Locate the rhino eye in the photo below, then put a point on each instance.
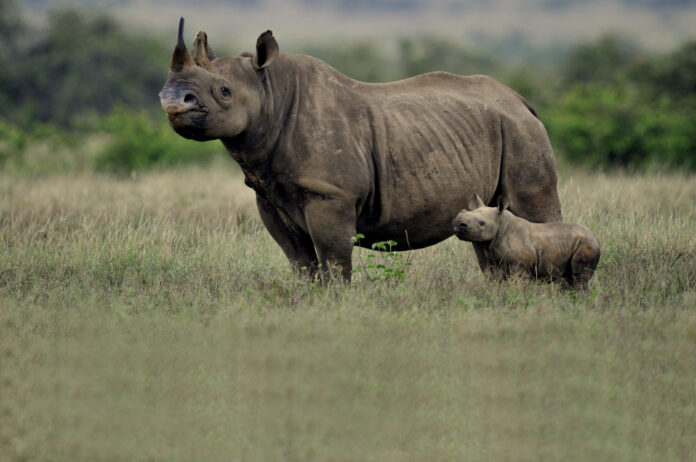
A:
(481, 223)
(224, 91)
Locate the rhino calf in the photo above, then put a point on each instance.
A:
(563, 252)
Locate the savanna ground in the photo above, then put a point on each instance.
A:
(153, 318)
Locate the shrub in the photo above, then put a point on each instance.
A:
(615, 126)
(138, 141)
(79, 62)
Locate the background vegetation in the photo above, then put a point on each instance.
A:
(607, 103)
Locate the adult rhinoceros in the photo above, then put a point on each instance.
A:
(330, 157)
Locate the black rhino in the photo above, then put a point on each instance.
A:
(330, 157)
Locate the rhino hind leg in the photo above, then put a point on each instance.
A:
(528, 174)
(298, 247)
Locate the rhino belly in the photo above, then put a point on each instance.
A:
(431, 160)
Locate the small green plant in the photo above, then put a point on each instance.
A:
(388, 266)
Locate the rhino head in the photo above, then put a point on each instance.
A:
(479, 223)
(206, 97)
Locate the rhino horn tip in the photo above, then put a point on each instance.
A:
(180, 38)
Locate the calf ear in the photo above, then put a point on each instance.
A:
(475, 203)
(266, 50)
(503, 203)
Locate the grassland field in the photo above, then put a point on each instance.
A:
(153, 318)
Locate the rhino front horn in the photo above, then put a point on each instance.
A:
(181, 57)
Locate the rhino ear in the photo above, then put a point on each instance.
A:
(202, 54)
(266, 50)
(503, 203)
(474, 203)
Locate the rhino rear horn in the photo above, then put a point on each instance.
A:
(266, 50)
(202, 54)
(181, 57)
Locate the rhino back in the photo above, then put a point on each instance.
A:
(521, 240)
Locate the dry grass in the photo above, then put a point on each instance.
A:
(155, 319)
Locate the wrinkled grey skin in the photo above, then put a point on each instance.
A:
(563, 252)
(330, 157)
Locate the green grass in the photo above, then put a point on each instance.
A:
(154, 319)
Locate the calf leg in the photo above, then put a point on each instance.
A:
(296, 244)
(582, 265)
(486, 263)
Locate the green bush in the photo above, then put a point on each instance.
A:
(12, 141)
(601, 61)
(370, 62)
(615, 126)
(17, 137)
(79, 62)
(139, 141)
(360, 60)
(427, 54)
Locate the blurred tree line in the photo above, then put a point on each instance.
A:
(606, 104)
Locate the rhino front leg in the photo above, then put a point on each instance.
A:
(331, 226)
(297, 246)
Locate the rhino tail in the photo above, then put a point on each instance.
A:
(531, 109)
(528, 106)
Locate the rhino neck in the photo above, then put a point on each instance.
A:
(279, 90)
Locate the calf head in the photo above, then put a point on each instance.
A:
(206, 97)
(479, 223)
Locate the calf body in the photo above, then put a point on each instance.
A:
(557, 251)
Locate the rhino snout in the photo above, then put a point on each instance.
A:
(459, 228)
(178, 101)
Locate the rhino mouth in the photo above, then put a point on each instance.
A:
(462, 236)
(190, 124)
(174, 114)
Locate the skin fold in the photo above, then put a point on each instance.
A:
(330, 157)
